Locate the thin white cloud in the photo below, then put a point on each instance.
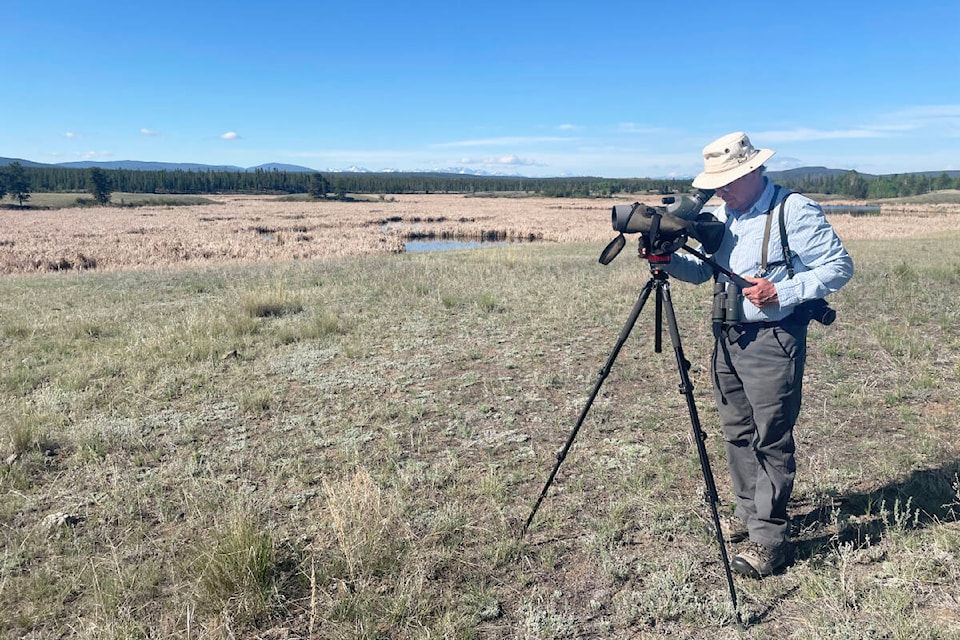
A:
(807, 135)
(72, 156)
(507, 140)
(230, 135)
(943, 119)
(149, 132)
(70, 134)
(511, 160)
(93, 155)
(569, 127)
(633, 127)
(355, 155)
(929, 112)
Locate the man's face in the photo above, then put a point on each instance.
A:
(740, 194)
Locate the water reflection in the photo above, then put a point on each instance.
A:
(421, 246)
(852, 210)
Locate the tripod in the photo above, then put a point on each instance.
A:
(658, 283)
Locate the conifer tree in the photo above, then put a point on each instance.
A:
(98, 185)
(17, 184)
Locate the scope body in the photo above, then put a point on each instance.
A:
(675, 216)
(673, 221)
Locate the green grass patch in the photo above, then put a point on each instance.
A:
(83, 199)
(348, 448)
(238, 569)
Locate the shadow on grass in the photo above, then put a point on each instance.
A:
(925, 497)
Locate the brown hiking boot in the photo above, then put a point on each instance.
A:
(757, 561)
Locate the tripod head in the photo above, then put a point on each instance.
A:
(656, 262)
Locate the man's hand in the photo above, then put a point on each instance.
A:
(763, 293)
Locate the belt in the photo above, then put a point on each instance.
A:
(736, 331)
(763, 324)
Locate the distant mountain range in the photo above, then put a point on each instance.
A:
(815, 172)
(136, 165)
(807, 172)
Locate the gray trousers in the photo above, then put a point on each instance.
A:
(758, 376)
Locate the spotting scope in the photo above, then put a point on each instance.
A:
(666, 227)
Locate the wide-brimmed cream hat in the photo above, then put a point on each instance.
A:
(728, 158)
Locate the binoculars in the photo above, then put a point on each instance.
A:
(728, 300)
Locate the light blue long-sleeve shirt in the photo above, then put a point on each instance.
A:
(821, 263)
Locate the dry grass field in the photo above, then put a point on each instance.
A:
(256, 229)
(263, 419)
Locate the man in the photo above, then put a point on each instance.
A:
(761, 346)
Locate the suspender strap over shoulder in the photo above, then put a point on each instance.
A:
(787, 255)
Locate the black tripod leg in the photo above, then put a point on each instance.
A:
(658, 319)
(686, 388)
(624, 334)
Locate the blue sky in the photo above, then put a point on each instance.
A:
(615, 89)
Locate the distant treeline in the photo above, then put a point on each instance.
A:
(58, 179)
(862, 187)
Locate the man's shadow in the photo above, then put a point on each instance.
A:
(923, 498)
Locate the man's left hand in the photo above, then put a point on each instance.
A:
(763, 293)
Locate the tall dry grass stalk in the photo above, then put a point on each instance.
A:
(366, 525)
